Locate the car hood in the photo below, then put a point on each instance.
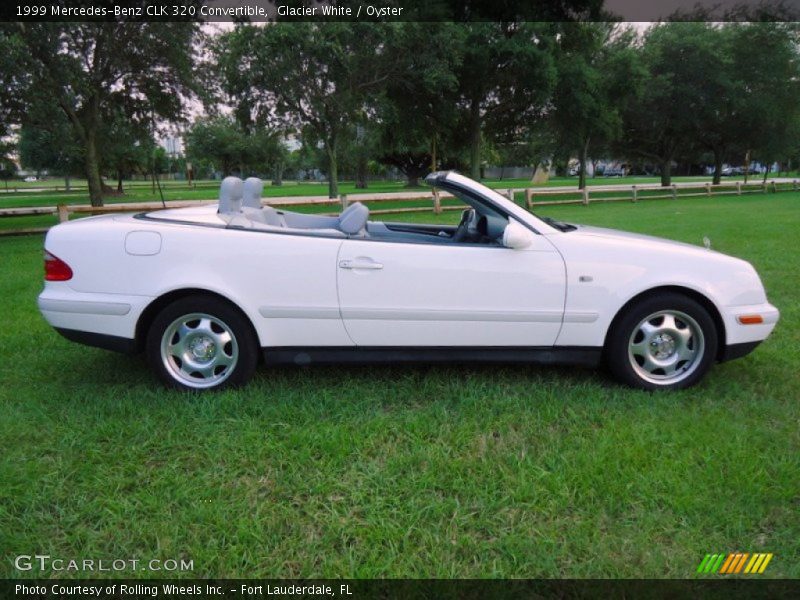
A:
(640, 239)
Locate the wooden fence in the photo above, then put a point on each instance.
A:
(530, 197)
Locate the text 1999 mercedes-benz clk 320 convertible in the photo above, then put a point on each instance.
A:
(205, 291)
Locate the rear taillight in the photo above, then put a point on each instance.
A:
(55, 269)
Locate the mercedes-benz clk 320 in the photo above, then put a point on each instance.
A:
(207, 291)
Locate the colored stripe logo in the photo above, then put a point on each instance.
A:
(735, 563)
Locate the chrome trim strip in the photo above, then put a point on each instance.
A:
(509, 316)
(84, 307)
(396, 314)
(299, 312)
(576, 316)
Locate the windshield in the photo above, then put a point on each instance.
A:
(511, 207)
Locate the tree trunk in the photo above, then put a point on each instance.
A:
(119, 181)
(278, 181)
(717, 167)
(66, 183)
(475, 141)
(361, 173)
(666, 172)
(766, 172)
(333, 170)
(582, 166)
(746, 165)
(412, 181)
(92, 166)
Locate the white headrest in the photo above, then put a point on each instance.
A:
(252, 192)
(354, 218)
(230, 195)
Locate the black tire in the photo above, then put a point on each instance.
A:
(658, 353)
(207, 333)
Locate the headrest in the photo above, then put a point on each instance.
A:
(230, 195)
(252, 192)
(354, 218)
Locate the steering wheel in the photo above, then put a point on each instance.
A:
(466, 227)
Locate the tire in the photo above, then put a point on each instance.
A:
(663, 342)
(202, 343)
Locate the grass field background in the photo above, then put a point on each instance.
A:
(442, 471)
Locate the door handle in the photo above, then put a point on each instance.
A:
(360, 264)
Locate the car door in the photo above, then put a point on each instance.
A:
(435, 295)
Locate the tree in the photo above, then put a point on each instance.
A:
(126, 147)
(13, 79)
(664, 120)
(7, 169)
(218, 140)
(417, 114)
(599, 75)
(52, 148)
(765, 60)
(89, 70)
(504, 79)
(311, 77)
(712, 87)
(225, 143)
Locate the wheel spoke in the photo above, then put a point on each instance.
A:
(178, 349)
(649, 364)
(669, 369)
(686, 353)
(205, 325)
(648, 329)
(221, 339)
(223, 360)
(669, 322)
(207, 371)
(684, 335)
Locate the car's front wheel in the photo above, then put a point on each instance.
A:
(667, 341)
(202, 343)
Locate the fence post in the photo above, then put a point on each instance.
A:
(510, 194)
(738, 188)
(633, 193)
(529, 198)
(63, 213)
(794, 185)
(585, 193)
(763, 187)
(674, 192)
(343, 199)
(708, 189)
(437, 203)
(774, 186)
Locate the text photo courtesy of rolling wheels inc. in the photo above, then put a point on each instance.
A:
(468, 303)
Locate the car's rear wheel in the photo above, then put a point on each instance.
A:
(202, 343)
(667, 341)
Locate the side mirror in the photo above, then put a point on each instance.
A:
(517, 236)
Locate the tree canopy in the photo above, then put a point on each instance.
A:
(92, 71)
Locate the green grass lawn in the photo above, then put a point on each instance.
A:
(443, 471)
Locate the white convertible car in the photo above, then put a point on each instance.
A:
(206, 291)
